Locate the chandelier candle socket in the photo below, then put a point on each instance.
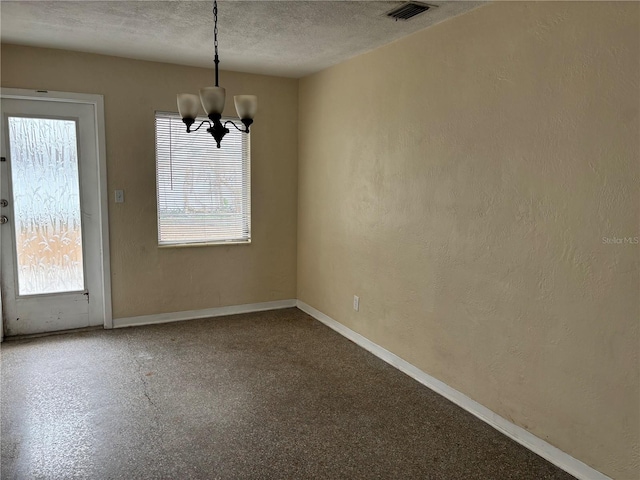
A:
(212, 100)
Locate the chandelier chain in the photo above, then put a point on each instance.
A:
(215, 26)
(216, 60)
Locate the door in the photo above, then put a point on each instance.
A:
(51, 275)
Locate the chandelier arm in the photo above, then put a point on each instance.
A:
(201, 123)
(237, 127)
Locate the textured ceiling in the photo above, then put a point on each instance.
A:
(288, 38)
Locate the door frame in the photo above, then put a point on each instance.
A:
(101, 155)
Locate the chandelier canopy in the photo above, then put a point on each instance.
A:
(212, 100)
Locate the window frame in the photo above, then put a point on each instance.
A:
(246, 184)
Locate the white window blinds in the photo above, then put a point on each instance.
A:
(204, 192)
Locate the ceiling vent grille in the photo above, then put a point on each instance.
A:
(408, 10)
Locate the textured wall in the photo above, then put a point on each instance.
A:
(461, 181)
(146, 279)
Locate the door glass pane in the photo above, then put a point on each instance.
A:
(46, 205)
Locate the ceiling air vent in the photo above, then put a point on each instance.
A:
(408, 10)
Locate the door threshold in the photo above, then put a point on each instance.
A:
(14, 338)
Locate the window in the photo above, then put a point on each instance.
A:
(204, 192)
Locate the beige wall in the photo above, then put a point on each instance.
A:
(461, 181)
(146, 279)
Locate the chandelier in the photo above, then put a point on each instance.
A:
(212, 100)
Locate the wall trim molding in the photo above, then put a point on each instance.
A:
(547, 451)
(205, 313)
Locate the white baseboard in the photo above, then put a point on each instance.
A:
(205, 313)
(547, 451)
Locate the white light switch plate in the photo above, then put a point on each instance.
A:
(119, 196)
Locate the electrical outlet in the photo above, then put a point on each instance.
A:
(119, 196)
(356, 303)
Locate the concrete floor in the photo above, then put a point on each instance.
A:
(255, 396)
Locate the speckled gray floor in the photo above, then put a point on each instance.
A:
(256, 396)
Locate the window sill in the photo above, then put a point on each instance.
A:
(204, 244)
